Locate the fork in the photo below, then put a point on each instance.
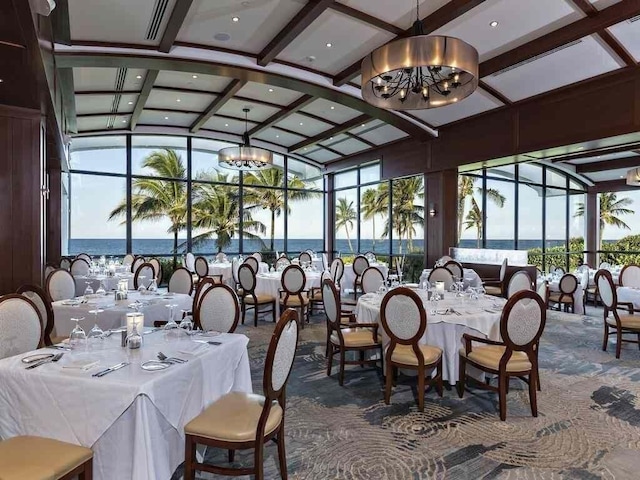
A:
(55, 358)
(164, 358)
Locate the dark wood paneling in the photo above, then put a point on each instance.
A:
(404, 158)
(591, 228)
(614, 164)
(441, 189)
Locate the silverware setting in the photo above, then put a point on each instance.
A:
(164, 358)
(55, 358)
(102, 373)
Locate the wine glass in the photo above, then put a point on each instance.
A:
(101, 289)
(77, 337)
(96, 333)
(171, 324)
(186, 324)
(141, 288)
(89, 290)
(153, 286)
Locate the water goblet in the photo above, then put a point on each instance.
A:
(95, 334)
(171, 324)
(89, 290)
(101, 289)
(141, 288)
(77, 337)
(186, 324)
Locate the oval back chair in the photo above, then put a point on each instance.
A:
(128, 259)
(60, 285)
(519, 281)
(137, 261)
(217, 309)
(630, 276)
(337, 270)
(441, 274)
(257, 256)
(201, 266)
(221, 257)
(85, 257)
(253, 263)
(360, 264)
(282, 262)
(144, 275)
(41, 300)
(305, 257)
(48, 269)
(293, 281)
(543, 291)
(65, 263)
(568, 286)
(79, 267)
(372, 277)
(455, 268)
(247, 278)
(190, 262)
(157, 268)
(181, 281)
(20, 325)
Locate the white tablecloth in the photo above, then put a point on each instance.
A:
(224, 269)
(629, 294)
(133, 420)
(270, 284)
(114, 315)
(349, 277)
(615, 275)
(445, 331)
(470, 277)
(110, 283)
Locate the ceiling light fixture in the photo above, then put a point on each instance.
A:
(245, 157)
(138, 77)
(194, 76)
(633, 177)
(494, 24)
(301, 124)
(420, 71)
(271, 90)
(130, 103)
(235, 19)
(332, 107)
(226, 124)
(166, 118)
(177, 99)
(329, 44)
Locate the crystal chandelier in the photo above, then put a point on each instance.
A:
(245, 157)
(633, 177)
(420, 71)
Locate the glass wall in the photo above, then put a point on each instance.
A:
(619, 229)
(527, 206)
(165, 195)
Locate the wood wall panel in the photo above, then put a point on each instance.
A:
(441, 190)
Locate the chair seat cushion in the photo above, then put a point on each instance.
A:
(261, 299)
(26, 472)
(46, 454)
(405, 355)
(234, 418)
(493, 290)
(356, 337)
(294, 301)
(627, 321)
(555, 298)
(489, 356)
(317, 296)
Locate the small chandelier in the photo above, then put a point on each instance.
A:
(633, 177)
(245, 157)
(420, 71)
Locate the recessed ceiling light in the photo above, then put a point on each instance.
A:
(362, 125)
(226, 124)
(301, 123)
(277, 136)
(130, 103)
(330, 138)
(494, 24)
(1, 80)
(271, 89)
(621, 176)
(166, 118)
(580, 148)
(177, 99)
(124, 121)
(194, 76)
(332, 107)
(138, 77)
(329, 44)
(235, 19)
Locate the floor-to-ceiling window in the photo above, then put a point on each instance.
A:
(619, 227)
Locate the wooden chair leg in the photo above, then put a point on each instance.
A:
(461, 376)
(389, 380)
(244, 311)
(87, 472)
(341, 380)
(421, 389)
(618, 342)
(329, 358)
(255, 314)
(259, 460)
(533, 381)
(232, 455)
(502, 395)
(282, 456)
(439, 384)
(189, 459)
(273, 312)
(361, 353)
(605, 340)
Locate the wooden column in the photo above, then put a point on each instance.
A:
(441, 196)
(22, 153)
(591, 229)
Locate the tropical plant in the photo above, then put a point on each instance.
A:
(272, 197)
(153, 199)
(406, 213)
(373, 204)
(610, 210)
(345, 217)
(467, 189)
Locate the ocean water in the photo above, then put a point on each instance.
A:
(102, 246)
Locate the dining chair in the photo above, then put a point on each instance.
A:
(337, 271)
(559, 271)
(190, 262)
(521, 325)
(201, 267)
(455, 268)
(181, 281)
(217, 309)
(630, 276)
(441, 274)
(325, 261)
(372, 278)
(60, 285)
(137, 261)
(250, 299)
(79, 267)
(565, 298)
(157, 268)
(496, 287)
(315, 295)
(344, 334)
(145, 273)
(39, 458)
(234, 274)
(293, 293)
(128, 259)
(619, 325)
(305, 257)
(443, 259)
(253, 262)
(20, 326)
(584, 287)
(360, 264)
(221, 257)
(239, 420)
(41, 300)
(404, 321)
(257, 256)
(543, 291)
(65, 263)
(519, 281)
(282, 262)
(85, 257)
(48, 269)
(604, 266)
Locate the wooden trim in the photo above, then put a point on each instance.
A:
(629, 147)
(147, 85)
(305, 17)
(619, 185)
(495, 93)
(290, 109)
(366, 18)
(227, 94)
(626, 162)
(107, 92)
(179, 13)
(332, 132)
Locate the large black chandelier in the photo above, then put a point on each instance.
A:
(245, 157)
(420, 71)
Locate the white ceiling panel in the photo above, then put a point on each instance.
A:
(268, 93)
(171, 119)
(321, 155)
(518, 22)
(258, 113)
(478, 102)
(258, 22)
(628, 34)
(607, 175)
(334, 112)
(366, 127)
(195, 102)
(351, 40)
(103, 103)
(402, 13)
(91, 79)
(333, 140)
(123, 21)
(600, 158)
(278, 136)
(100, 123)
(383, 134)
(303, 125)
(349, 146)
(207, 83)
(227, 125)
(577, 62)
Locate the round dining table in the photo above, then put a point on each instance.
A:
(470, 277)
(108, 282)
(349, 276)
(629, 295)
(446, 323)
(271, 284)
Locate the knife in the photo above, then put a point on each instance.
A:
(110, 369)
(46, 360)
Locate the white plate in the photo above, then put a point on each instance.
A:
(155, 365)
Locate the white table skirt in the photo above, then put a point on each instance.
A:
(110, 283)
(470, 277)
(270, 284)
(629, 294)
(444, 331)
(225, 269)
(115, 313)
(349, 276)
(133, 420)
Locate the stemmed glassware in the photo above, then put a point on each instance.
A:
(101, 290)
(77, 337)
(89, 290)
(96, 333)
(153, 286)
(141, 288)
(186, 323)
(171, 324)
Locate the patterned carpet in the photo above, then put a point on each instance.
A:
(588, 425)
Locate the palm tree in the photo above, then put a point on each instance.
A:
(345, 216)
(216, 209)
(154, 199)
(610, 209)
(467, 189)
(373, 204)
(272, 199)
(407, 214)
(474, 220)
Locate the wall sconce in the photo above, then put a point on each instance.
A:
(432, 210)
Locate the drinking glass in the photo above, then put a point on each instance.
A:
(95, 334)
(101, 289)
(89, 290)
(77, 337)
(153, 286)
(141, 288)
(186, 324)
(171, 324)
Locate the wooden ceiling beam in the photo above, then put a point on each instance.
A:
(60, 22)
(147, 85)
(445, 14)
(106, 92)
(290, 109)
(65, 76)
(366, 18)
(178, 15)
(495, 93)
(614, 164)
(618, 185)
(305, 17)
(594, 153)
(227, 94)
(589, 25)
(332, 132)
